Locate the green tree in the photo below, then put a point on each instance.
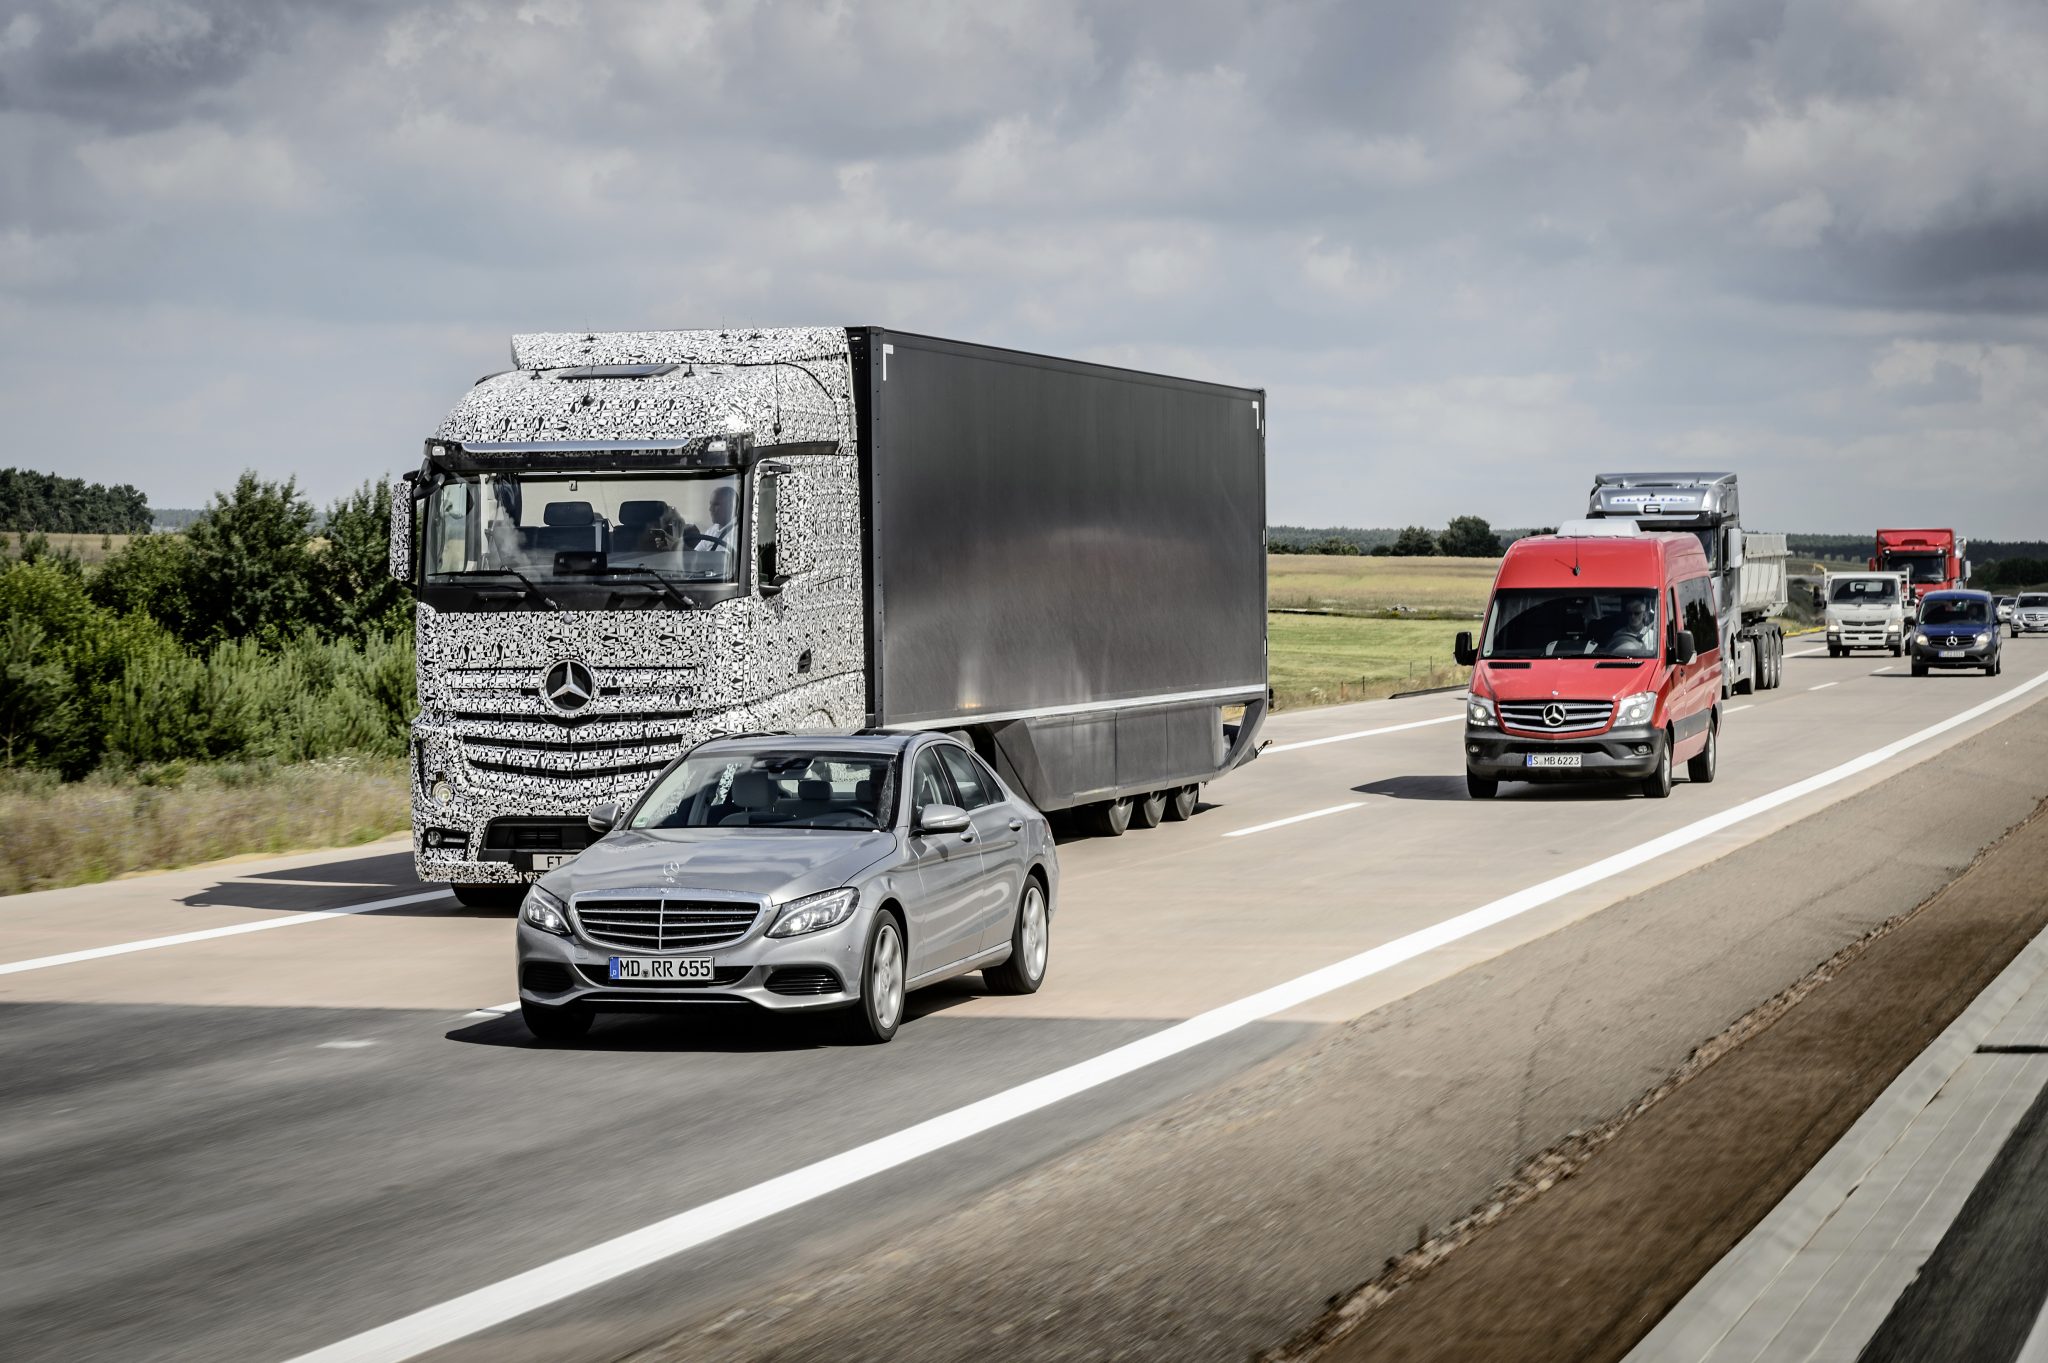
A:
(1332, 545)
(1468, 537)
(151, 576)
(1414, 542)
(353, 592)
(251, 573)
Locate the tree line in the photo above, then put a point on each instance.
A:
(256, 634)
(1464, 537)
(47, 502)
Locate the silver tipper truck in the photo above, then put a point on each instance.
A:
(1750, 581)
(1865, 610)
(630, 542)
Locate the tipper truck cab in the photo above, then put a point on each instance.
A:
(1931, 561)
(632, 542)
(1600, 657)
(1749, 569)
(1865, 610)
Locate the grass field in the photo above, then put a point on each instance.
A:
(88, 548)
(1364, 585)
(1344, 628)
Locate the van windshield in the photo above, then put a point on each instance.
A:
(1952, 610)
(1859, 590)
(800, 788)
(1572, 622)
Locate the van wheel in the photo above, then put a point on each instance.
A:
(1919, 668)
(1657, 785)
(880, 1011)
(1148, 810)
(489, 896)
(1995, 666)
(1030, 944)
(554, 1024)
(1110, 818)
(1480, 787)
(1180, 805)
(1700, 770)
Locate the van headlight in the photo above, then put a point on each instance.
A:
(542, 910)
(1479, 712)
(1633, 711)
(814, 913)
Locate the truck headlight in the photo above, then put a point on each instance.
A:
(542, 910)
(442, 791)
(813, 913)
(1479, 712)
(1635, 710)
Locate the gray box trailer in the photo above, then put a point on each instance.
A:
(634, 541)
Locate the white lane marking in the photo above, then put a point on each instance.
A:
(410, 1336)
(1738, 709)
(1823, 686)
(496, 1010)
(1806, 652)
(208, 934)
(345, 1045)
(1886, 668)
(1362, 733)
(1298, 818)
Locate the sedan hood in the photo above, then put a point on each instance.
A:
(777, 864)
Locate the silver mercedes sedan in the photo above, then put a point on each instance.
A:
(796, 873)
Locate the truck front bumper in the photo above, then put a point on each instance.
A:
(1616, 753)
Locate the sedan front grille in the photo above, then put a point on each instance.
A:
(664, 924)
(1557, 716)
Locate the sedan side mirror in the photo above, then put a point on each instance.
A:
(1682, 649)
(942, 819)
(1463, 650)
(603, 819)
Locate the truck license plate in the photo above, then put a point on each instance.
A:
(548, 861)
(662, 968)
(1555, 759)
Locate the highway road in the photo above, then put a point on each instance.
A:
(269, 1110)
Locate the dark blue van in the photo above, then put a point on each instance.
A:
(1956, 629)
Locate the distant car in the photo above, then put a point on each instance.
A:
(2030, 614)
(796, 873)
(1956, 629)
(2005, 605)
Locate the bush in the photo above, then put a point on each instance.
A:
(353, 591)
(1469, 537)
(151, 576)
(250, 573)
(1414, 542)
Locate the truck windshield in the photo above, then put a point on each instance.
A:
(558, 526)
(1573, 623)
(1860, 591)
(1932, 567)
(1954, 610)
(800, 788)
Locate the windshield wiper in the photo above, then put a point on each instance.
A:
(668, 585)
(524, 581)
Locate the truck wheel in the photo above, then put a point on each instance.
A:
(1700, 770)
(1836, 650)
(489, 896)
(567, 1022)
(1777, 663)
(880, 1011)
(1181, 804)
(1754, 682)
(1898, 650)
(1110, 818)
(1148, 810)
(1657, 784)
(1480, 787)
(1030, 944)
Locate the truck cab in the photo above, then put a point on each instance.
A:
(1929, 559)
(1865, 610)
(1600, 657)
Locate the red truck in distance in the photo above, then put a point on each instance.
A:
(1932, 560)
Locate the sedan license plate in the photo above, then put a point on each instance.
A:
(662, 968)
(1952, 653)
(1555, 759)
(548, 861)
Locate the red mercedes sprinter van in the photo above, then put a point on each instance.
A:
(1600, 658)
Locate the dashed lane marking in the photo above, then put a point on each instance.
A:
(1298, 818)
(1362, 733)
(1823, 686)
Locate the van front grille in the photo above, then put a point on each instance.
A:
(1556, 716)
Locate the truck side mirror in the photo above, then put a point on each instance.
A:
(1683, 650)
(767, 572)
(402, 504)
(1463, 650)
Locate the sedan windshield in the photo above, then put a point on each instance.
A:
(1572, 623)
(2033, 602)
(1865, 590)
(1952, 610)
(799, 788)
(561, 527)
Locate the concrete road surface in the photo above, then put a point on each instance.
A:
(243, 1117)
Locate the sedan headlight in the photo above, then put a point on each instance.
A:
(813, 913)
(1479, 712)
(542, 910)
(1635, 710)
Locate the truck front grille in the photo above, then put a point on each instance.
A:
(664, 924)
(1556, 716)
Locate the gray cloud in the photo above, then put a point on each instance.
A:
(1474, 250)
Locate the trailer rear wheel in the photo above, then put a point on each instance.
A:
(1181, 804)
(1110, 818)
(1148, 810)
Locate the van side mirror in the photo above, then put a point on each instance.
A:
(1682, 649)
(1463, 650)
(603, 819)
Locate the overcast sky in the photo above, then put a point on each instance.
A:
(1475, 252)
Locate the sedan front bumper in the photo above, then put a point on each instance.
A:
(816, 971)
(1503, 756)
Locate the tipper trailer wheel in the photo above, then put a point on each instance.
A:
(1181, 804)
